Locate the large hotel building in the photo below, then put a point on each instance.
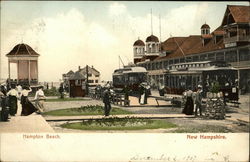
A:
(229, 42)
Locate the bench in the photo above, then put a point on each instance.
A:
(119, 99)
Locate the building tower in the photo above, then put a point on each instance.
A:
(139, 50)
(152, 47)
(205, 29)
(205, 34)
(27, 64)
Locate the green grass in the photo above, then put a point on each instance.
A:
(66, 99)
(202, 129)
(119, 124)
(86, 110)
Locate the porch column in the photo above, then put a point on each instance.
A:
(238, 33)
(29, 70)
(37, 70)
(238, 65)
(17, 71)
(9, 68)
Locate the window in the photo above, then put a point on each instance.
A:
(231, 56)
(89, 75)
(244, 54)
(90, 81)
(189, 59)
(176, 61)
(153, 66)
(96, 81)
(195, 58)
(78, 82)
(182, 60)
(97, 75)
(153, 48)
(220, 56)
(211, 56)
(160, 65)
(203, 57)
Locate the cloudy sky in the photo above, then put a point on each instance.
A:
(71, 34)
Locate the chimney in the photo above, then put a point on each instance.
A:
(92, 66)
(79, 67)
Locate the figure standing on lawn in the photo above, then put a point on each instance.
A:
(106, 101)
(61, 91)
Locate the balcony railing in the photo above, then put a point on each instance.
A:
(238, 38)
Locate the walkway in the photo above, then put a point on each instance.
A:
(25, 124)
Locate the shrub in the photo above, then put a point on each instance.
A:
(51, 92)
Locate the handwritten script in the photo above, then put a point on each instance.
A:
(215, 156)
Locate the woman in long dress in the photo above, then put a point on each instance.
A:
(189, 106)
(27, 107)
(13, 100)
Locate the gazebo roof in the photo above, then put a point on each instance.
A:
(22, 49)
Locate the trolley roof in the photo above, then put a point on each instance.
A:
(126, 70)
(196, 67)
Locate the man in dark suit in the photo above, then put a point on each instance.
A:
(106, 101)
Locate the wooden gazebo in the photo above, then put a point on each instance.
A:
(27, 64)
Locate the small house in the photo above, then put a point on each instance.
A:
(77, 85)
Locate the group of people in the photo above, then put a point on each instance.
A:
(193, 98)
(10, 98)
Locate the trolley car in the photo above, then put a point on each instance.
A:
(182, 76)
(130, 76)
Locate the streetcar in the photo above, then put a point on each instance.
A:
(130, 76)
(179, 77)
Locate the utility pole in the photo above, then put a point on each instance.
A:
(87, 80)
(151, 23)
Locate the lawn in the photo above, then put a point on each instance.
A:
(128, 123)
(86, 110)
(66, 99)
(202, 129)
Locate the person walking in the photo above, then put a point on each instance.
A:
(27, 107)
(12, 94)
(39, 98)
(19, 90)
(141, 91)
(3, 90)
(198, 101)
(126, 95)
(106, 101)
(189, 105)
(61, 91)
(147, 93)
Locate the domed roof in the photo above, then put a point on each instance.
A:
(205, 26)
(152, 38)
(139, 43)
(22, 49)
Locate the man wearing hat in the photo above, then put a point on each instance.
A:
(106, 101)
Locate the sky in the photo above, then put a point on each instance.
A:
(68, 34)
